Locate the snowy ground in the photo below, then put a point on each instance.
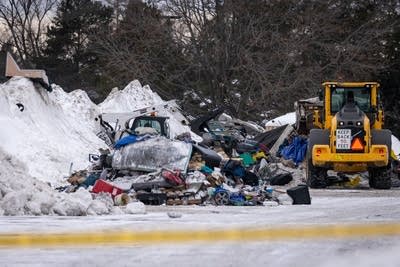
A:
(329, 207)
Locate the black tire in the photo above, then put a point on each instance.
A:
(316, 176)
(381, 178)
(317, 137)
(382, 137)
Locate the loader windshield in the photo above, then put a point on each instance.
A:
(149, 123)
(340, 96)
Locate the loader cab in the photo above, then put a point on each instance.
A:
(160, 124)
(359, 96)
(363, 95)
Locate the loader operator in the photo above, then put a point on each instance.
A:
(350, 97)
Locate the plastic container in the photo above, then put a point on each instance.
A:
(300, 195)
(103, 186)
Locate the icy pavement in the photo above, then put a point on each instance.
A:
(329, 253)
(344, 207)
(329, 207)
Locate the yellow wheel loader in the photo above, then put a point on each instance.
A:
(349, 135)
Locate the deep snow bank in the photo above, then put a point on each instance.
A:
(22, 194)
(53, 130)
(42, 133)
(58, 128)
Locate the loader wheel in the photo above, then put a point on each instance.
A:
(380, 178)
(316, 176)
(382, 137)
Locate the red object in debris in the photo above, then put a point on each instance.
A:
(263, 148)
(173, 177)
(103, 186)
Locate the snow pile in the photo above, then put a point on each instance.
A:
(21, 194)
(76, 104)
(53, 129)
(25, 195)
(135, 96)
(135, 208)
(42, 133)
(58, 128)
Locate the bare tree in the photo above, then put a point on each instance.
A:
(249, 56)
(141, 48)
(119, 7)
(261, 55)
(25, 20)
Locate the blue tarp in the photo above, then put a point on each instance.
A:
(295, 151)
(130, 139)
(234, 168)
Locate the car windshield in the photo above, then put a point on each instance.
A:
(360, 96)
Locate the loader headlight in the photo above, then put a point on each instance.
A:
(358, 123)
(341, 123)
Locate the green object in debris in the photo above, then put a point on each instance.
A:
(206, 169)
(247, 159)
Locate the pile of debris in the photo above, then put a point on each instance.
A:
(237, 163)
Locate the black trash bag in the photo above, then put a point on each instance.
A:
(250, 178)
(281, 179)
(152, 198)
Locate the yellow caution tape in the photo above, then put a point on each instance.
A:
(174, 237)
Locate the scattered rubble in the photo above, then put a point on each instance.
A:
(229, 167)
